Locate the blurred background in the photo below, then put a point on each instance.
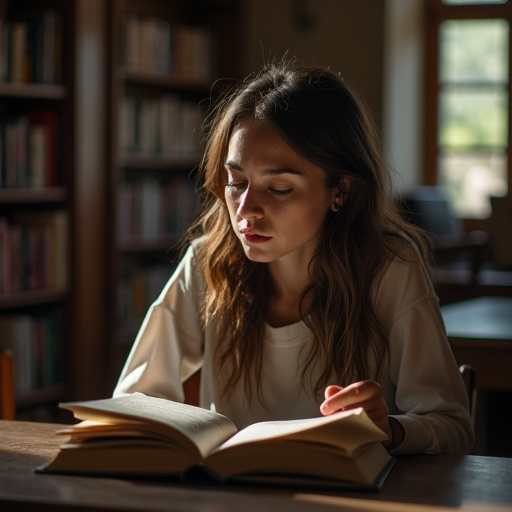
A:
(101, 107)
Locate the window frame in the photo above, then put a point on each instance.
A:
(435, 13)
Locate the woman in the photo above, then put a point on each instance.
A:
(302, 291)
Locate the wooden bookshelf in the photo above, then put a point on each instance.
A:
(44, 163)
(165, 88)
(93, 174)
(37, 187)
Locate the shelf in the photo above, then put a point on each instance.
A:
(31, 298)
(35, 196)
(32, 91)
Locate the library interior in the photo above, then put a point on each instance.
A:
(102, 104)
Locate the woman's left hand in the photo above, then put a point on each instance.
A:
(366, 394)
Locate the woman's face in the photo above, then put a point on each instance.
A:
(277, 200)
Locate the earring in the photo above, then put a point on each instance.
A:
(336, 207)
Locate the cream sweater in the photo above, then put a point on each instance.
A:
(422, 385)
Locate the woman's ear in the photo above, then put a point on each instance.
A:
(341, 192)
(344, 187)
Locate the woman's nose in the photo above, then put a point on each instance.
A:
(250, 204)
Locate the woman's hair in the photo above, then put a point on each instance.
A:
(321, 118)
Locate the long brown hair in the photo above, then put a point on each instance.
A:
(321, 118)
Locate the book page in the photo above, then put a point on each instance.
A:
(346, 430)
(206, 429)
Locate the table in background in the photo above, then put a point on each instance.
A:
(421, 483)
(480, 333)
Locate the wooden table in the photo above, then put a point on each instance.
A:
(480, 333)
(417, 483)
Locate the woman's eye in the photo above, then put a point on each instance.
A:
(281, 192)
(239, 186)
(236, 186)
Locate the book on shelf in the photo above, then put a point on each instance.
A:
(35, 342)
(28, 151)
(142, 436)
(43, 158)
(137, 289)
(4, 61)
(32, 47)
(149, 208)
(165, 126)
(53, 249)
(154, 44)
(34, 251)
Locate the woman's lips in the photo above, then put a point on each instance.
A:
(255, 239)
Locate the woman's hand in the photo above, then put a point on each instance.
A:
(366, 394)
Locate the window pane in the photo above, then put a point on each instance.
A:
(473, 51)
(473, 2)
(473, 117)
(470, 179)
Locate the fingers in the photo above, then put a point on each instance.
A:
(331, 391)
(365, 394)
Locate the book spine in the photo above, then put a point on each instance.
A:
(4, 53)
(137, 289)
(36, 343)
(17, 51)
(28, 151)
(164, 126)
(155, 45)
(34, 252)
(152, 208)
(32, 47)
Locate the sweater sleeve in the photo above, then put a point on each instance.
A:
(169, 346)
(423, 386)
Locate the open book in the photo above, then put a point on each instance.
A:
(137, 435)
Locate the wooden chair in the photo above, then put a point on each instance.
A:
(191, 388)
(468, 373)
(7, 407)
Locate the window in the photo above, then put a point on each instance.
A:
(468, 101)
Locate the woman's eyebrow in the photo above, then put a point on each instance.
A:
(277, 172)
(266, 172)
(233, 165)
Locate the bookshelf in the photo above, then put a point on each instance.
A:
(165, 56)
(34, 201)
(43, 162)
(105, 184)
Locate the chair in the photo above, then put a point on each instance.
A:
(7, 406)
(459, 254)
(191, 388)
(468, 373)
(500, 234)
